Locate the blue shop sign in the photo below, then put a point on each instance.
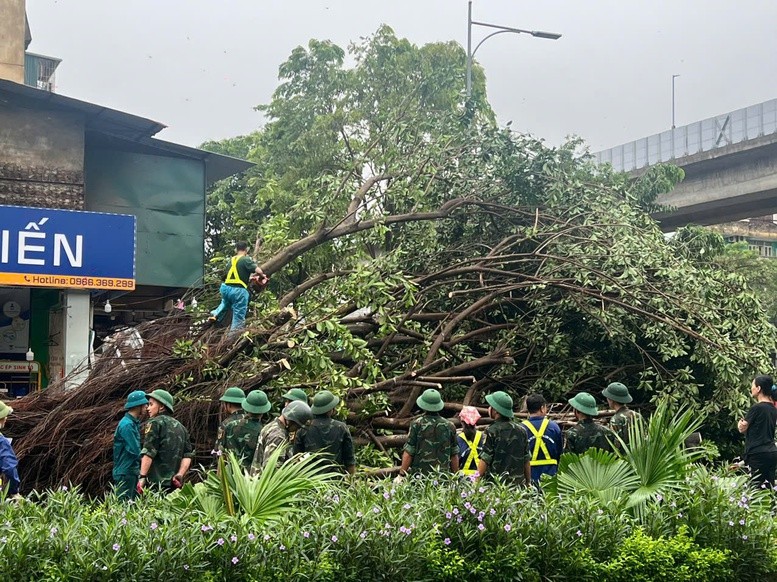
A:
(43, 247)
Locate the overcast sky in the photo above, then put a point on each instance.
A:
(200, 66)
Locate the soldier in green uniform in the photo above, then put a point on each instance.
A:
(295, 394)
(167, 451)
(279, 433)
(618, 397)
(431, 443)
(586, 433)
(231, 410)
(327, 435)
(242, 433)
(126, 447)
(506, 452)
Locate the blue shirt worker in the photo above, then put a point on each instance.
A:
(126, 447)
(545, 439)
(9, 474)
(470, 441)
(234, 289)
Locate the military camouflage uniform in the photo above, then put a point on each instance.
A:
(237, 415)
(273, 435)
(432, 443)
(506, 450)
(329, 436)
(167, 442)
(240, 436)
(586, 434)
(620, 421)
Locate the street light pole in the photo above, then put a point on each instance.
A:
(499, 30)
(673, 78)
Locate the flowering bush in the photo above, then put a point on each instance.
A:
(424, 529)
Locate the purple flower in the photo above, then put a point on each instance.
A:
(53, 531)
(731, 523)
(447, 541)
(233, 538)
(741, 522)
(186, 566)
(336, 498)
(472, 510)
(363, 535)
(386, 495)
(448, 515)
(116, 547)
(266, 537)
(334, 539)
(508, 527)
(376, 509)
(406, 506)
(359, 514)
(3, 540)
(579, 533)
(744, 538)
(492, 511)
(305, 534)
(207, 528)
(153, 524)
(481, 527)
(467, 505)
(455, 511)
(123, 521)
(403, 529)
(481, 489)
(220, 541)
(282, 548)
(235, 559)
(251, 537)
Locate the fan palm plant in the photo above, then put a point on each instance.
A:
(231, 491)
(653, 462)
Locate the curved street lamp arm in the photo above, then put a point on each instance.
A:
(472, 55)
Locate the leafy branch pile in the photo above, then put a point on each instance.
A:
(412, 243)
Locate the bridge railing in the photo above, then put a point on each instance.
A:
(716, 132)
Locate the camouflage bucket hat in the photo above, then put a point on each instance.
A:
(233, 395)
(298, 412)
(323, 402)
(136, 398)
(430, 401)
(617, 392)
(256, 402)
(163, 397)
(585, 403)
(296, 394)
(501, 402)
(5, 410)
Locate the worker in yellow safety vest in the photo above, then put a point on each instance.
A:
(470, 440)
(545, 439)
(234, 289)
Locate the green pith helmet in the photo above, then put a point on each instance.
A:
(256, 402)
(502, 403)
(585, 403)
(135, 398)
(296, 394)
(323, 402)
(617, 392)
(430, 401)
(233, 395)
(298, 412)
(163, 397)
(5, 410)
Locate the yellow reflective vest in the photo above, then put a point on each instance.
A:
(539, 444)
(471, 463)
(232, 275)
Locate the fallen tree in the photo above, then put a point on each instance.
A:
(416, 245)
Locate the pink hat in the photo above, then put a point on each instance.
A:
(469, 415)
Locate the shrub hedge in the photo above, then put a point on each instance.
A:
(431, 529)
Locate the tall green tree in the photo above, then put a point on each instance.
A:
(420, 244)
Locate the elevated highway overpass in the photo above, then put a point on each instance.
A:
(730, 164)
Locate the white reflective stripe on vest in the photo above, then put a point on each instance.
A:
(539, 444)
(472, 458)
(232, 276)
